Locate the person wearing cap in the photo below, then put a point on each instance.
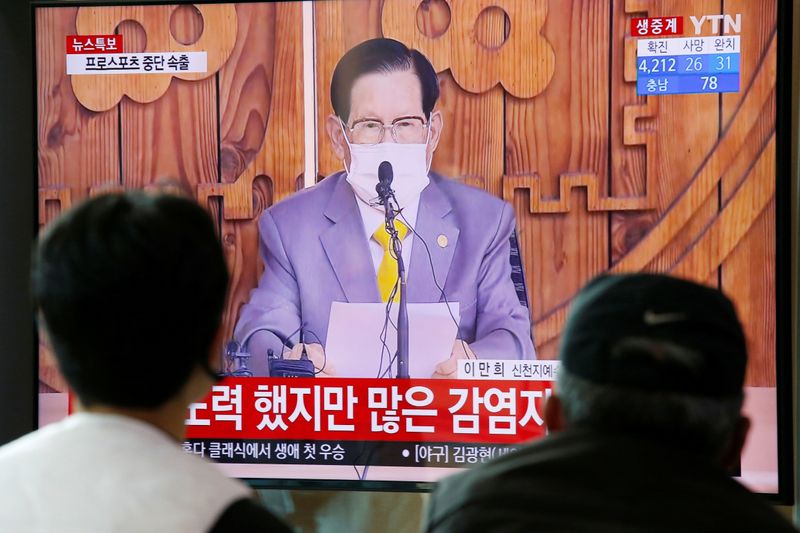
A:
(644, 426)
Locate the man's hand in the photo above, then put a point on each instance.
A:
(448, 368)
(316, 354)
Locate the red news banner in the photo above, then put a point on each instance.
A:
(348, 409)
(656, 26)
(94, 44)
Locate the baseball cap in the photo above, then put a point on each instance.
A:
(642, 313)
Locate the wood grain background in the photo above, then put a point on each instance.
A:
(601, 179)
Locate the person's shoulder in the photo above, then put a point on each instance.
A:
(247, 515)
(492, 478)
(311, 199)
(513, 477)
(742, 509)
(29, 466)
(35, 442)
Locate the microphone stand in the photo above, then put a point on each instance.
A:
(402, 315)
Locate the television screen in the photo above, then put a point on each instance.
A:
(534, 144)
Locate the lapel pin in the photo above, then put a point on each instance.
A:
(442, 241)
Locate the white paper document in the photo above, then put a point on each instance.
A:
(354, 345)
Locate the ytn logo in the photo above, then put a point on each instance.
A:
(730, 24)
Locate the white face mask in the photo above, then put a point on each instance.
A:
(409, 163)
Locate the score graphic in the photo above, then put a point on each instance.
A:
(686, 65)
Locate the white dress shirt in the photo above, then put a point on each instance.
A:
(373, 218)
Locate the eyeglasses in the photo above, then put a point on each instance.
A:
(405, 130)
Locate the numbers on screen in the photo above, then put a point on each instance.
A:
(657, 65)
(694, 64)
(709, 83)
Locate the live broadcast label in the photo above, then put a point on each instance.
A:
(94, 44)
(351, 409)
(138, 63)
(656, 26)
(347, 453)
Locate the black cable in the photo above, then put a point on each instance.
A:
(395, 250)
(384, 331)
(435, 281)
(288, 340)
(324, 355)
(389, 366)
(246, 341)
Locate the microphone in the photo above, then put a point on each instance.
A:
(386, 194)
(384, 186)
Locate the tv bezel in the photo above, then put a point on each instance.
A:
(785, 314)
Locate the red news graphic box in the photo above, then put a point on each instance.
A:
(350, 409)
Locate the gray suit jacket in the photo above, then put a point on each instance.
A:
(315, 253)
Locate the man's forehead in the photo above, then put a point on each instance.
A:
(386, 95)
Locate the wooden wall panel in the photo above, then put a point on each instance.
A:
(261, 122)
(174, 137)
(748, 274)
(210, 28)
(245, 89)
(339, 26)
(471, 146)
(681, 131)
(77, 147)
(563, 130)
(246, 85)
(697, 166)
(282, 156)
(628, 161)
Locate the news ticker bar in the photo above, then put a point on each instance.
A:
(347, 453)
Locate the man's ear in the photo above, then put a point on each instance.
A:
(733, 451)
(554, 414)
(437, 124)
(333, 128)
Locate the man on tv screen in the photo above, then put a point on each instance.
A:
(329, 243)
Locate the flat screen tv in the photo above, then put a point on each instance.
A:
(626, 136)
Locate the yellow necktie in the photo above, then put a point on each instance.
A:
(387, 271)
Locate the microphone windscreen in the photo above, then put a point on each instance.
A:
(385, 173)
